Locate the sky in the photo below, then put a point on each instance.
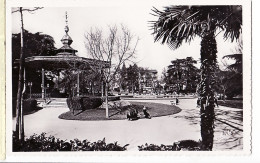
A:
(150, 54)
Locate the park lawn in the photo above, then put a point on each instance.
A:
(232, 103)
(155, 110)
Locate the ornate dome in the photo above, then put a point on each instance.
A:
(66, 41)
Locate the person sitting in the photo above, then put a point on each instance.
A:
(128, 115)
(132, 114)
(146, 113)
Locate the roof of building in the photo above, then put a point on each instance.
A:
(65, 57)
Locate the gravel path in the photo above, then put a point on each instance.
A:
(159, 130)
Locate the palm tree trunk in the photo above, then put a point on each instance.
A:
(206, 90)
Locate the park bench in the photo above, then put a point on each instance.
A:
(173, 102)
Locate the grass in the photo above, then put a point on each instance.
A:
(155, 110)
(232, 103)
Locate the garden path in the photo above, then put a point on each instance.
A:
(159, 130)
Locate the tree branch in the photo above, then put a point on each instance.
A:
(27, 9)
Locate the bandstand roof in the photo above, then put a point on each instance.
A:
(65, 58)
(60, 62)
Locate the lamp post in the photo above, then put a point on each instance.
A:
(43, 92)
(77, 85)
(144, 83)
(46, 90)
(42, 85)
(30, 85)
(73, 89)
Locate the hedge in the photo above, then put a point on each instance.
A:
(91, 102)
(29, 105)
(83, 103)
(43, 143)
(111, 98)
(75, 103)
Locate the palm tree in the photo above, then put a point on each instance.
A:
(235, 77)
(237, 66)
(178, 24)
(238, 57)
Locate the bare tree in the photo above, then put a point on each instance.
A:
(109, 53)
(21, 83)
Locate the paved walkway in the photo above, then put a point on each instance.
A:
(160, 130)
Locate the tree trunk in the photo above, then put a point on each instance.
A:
(224, 95)
(106, 100)
(92, 88)
(132, 88)
(21, 136)
(102, 89)
(206, 90)
(20, 85)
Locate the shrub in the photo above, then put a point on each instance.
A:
(91, 102)
(111, 98)
(188, 145)
(43, 143)
(83, 103)
(39, 143)
(56, 93)
(115, 104)
(100, 145)
(69, 102)
(232, 103)
(29, 105)
(75, 103)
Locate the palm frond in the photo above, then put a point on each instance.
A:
(234, 56)
(174, 25)
(178, 24)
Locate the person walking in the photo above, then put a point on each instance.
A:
(177, 101)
